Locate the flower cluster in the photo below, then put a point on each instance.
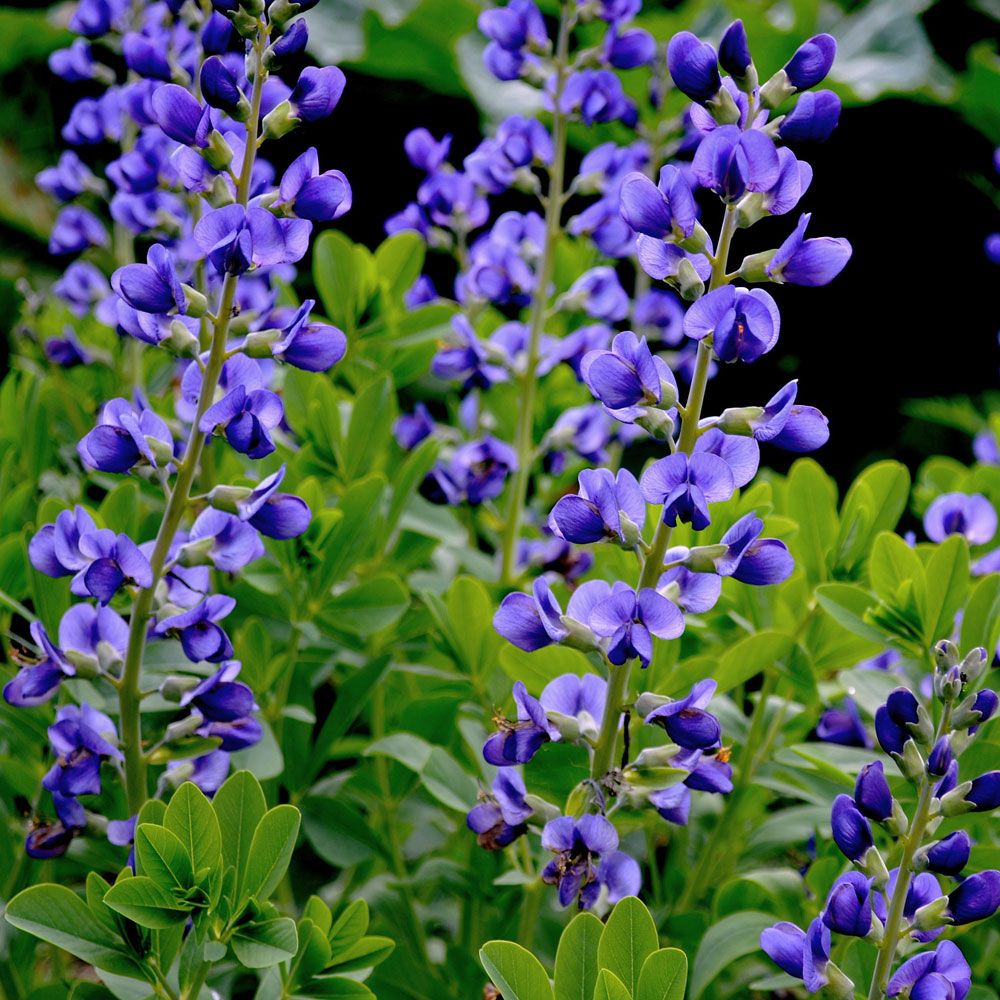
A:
(203, 94)
(706, 460)
(901, 909)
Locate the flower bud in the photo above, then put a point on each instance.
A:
(940, 757)
(182, 728)
(872, 795)
(851, 832)
(280, 121)
(197, 304)
(657, 422)
(181, 341)
(689, 284)
(974, 665)
(946, 654)
(975, 898)
(948, 856)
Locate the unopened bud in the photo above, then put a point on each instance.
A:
(689, 284)
(946, 654)
(776, 91)
(280, 121)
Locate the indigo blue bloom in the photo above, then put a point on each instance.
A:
(599, 293)
(309, 194)
(942, 973)
(579, 845)
(734, 51)
(38, 679)
(197, 629)
(76, 229)
(694, 67)
(950, 855)
(731, 162)
(851, 832)
(93, 632)
(893, 719)
(597, 96)
(247, 418)
(843, 725)
(111, 562)
(664, 209)
(311, 347)
(500, 817)
(743, 323)
(785, 944)
(813, 262)
(975, 898)
(518, 741)
(235, 239)
(849, 905)
(234, 545)
(81, 738)
(872, 795)
(685, 486)
(811, 62)
(971, 515)
(152, 287)
(208, 772)
(813, 118)
(686, 720)
(68, 179)
(629, 621)
(220, 88)
(55, 548)
(594, 513)
(316, 93)
(627, 376)
(221, 697)
(276, 515)
(751, 559)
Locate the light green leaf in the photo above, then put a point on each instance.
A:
(364, 954)
(629, 938)
(947, 587)
(265, 942)
(160, 855)
(981, 618)
(370, 428)
(146, 903)
(576, 958)
(350, 927)
(846, 604)
(515, 972)
(812, 502)
(57, 915)
(369, 607)
(399, 261)
(190, 816)
(610, 987)
(724, 943)
(663, 976)
(270, 852)
(240, 806)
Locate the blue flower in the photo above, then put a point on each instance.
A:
(872, 794)
(629, 620)
(949, 855)
(500, 817)
(743, 323)
(971, 515)
(38, 679)
(974, 898)
(518, 741)
(247, 419)
(731, 162)
(81, 738)
(587, 857)
(197, 629)
(813, 262)
(594, 514)
(662, 210)
(309, 194)
(811, 62)
(893, 719)
(685, 486)
(813, 118)
(124, 437)
(686, 720)
(851, 832)
(942, 973)
(694, 67)
(849, 905)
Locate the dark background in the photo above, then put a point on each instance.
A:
(910, 185)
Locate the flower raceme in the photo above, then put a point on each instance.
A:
(222, 230)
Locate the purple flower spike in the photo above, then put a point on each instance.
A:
(814, 262)
(518, 741)
(941, 974)
(630, 620)
(662, 209)
(971, 515)
(531, 622)
(694, 67)
(200, 636)
(849, 906)
(731, 162)
(811, 62)
(742, 323)
(686, 486)
(785, 944)
(578, 845)
(950, 855)
(686, 721)
(594, 514)
(851, 832)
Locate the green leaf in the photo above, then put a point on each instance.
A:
(351, 535)
(576, 958)
(812, 502)
(240, 806)
(947, 587)
(408, 477)
(742, 660)
(344, 277)
(846, 604)
(190, 816)
(981, 618)
(892, 564)
(338, 832)
(369, 607)
(399, 261)
(370, 428)
(629, 938)
(610, 987)
(160, 855)
(724, 943)
(57, 915)
(270, 852)
(350, 927)
(663, 976)
(265, 942)
(538, 668)
(515, 972)
(146, 903)
(439, 772)
(364, 954)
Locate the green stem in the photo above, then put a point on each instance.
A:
(546, 268)
(607, 739)
(136, 789)
(912, 842)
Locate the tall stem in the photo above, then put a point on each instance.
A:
(912, 842)
(529, 379)
(129, 685)
(652, 565)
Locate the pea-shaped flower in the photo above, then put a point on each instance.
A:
(943, 972)
(606, 507)
(81, 738)
(200, 635)
(971, 515)
(628, 376)
(812, 262)
(849, 905)
(743, 323)
(629, 620)
(124, 437)
(685, 486)
(731, 162)
(665, 209)
(499, 818)
(694, 66)
(686, 720)
(38, 679)
(247, 419)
